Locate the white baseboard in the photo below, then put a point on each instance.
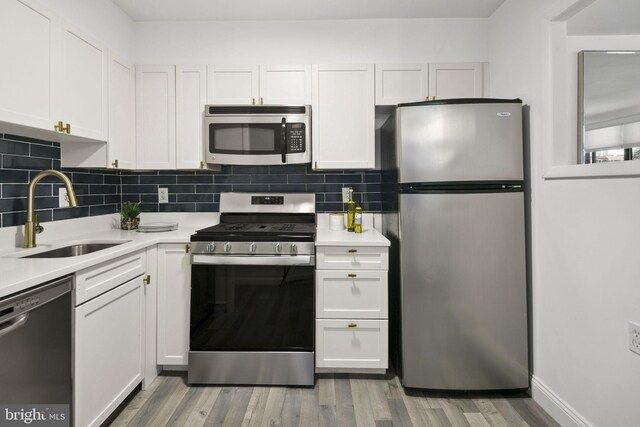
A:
(560, 410)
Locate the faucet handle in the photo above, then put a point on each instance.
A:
(37, 228)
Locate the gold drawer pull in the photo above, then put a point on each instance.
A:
(352, 275)
(146, 280)
(352, 251)
(352, 325)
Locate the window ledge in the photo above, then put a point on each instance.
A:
(630, 168)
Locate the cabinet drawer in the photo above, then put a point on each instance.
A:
(363, 345)
(352, 258)
(344, 294)
(95, 281)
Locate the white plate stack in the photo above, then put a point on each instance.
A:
(155, 227)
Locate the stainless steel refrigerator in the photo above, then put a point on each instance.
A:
(454, 210)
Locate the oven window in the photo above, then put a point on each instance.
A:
(252, 308)
(261, 138)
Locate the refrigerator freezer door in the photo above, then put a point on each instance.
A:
(460, 142)
(463, 291)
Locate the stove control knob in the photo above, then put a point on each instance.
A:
(294, 248)
(211, 247)
(227, 247)
(252, 247)
(278, 248)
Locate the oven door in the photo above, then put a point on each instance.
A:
(261, 307)
(257, 140)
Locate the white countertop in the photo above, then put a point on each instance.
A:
(368, 237)
(18, 274)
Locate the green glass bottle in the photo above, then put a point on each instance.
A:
(351, 212)
(357, 220)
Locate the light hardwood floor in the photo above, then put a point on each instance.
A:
(336, 400)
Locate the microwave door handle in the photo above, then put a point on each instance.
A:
(283, 143)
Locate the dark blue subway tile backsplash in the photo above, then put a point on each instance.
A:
(102, 191)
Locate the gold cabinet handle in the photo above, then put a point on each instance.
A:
(146, 280)
(187, 248)
(426, 98)
(433, 98)
(253, 101)
(68, 128)
(352, 325)
(201, 164)
(261, 100)
(352, 251)
(59, 126)
(115, 164)
(352, 275)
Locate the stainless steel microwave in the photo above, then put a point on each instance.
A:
(257, 134)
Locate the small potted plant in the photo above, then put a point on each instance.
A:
(130, 216)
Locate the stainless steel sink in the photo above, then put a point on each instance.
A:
(74, 250)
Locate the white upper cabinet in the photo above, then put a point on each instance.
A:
(156, 117)
(285, 84)
(81, 96)
(264, 84)
(191, 97)
(457, 80)
(399, 83)
(343, 111)
(122, 147)
(233, 84)
(29, 39)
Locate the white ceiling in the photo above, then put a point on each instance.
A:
(607, 17)
(269, 10)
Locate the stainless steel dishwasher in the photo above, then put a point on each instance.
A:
(35, 344)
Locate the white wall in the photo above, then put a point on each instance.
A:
(100, 18)
(312, 41)
(585, 243)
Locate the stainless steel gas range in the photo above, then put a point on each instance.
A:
(252, 292)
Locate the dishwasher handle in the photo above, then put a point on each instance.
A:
(13, 324)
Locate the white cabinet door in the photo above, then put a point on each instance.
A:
(122, 142)
(107, 352)
(174, 291)
(156, 117)
(191, 97)
(28, 49)
(233, 84)
(80, 84)
(398, 83)
(343, 116)
(456, 80)
(285, 84)
(354, 343)
(150, 364)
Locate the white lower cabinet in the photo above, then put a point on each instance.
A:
(352, 327)
(108, 351)
(174, 292)
(347, 295)
(355, 344)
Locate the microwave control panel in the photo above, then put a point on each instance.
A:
(296, 138)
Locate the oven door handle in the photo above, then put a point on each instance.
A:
(200, 259)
